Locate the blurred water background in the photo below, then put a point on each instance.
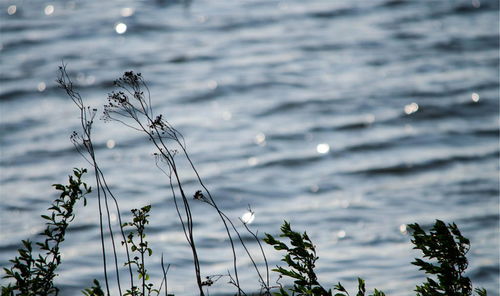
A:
(348, 118)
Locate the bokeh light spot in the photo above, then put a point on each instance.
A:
(120, 28)
(41, 86)
(110, 144)
(127, 11)
(248, 217)
(253, 161)
(323, 148)
(402, 229)
(49, 9)
(260, 139)
(11, 10)
(411, 108)
(475, 97)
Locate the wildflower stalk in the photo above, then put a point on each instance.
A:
(130, 106)
(84, 145)
(121, 108)
(265, 284)
(164, 279)
(139, 222)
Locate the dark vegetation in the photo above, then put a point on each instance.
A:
(33, 273)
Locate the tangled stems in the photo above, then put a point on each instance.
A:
(138, 110)
(85, 147)
(33, 276)
(131, 106)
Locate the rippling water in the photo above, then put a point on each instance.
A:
(347, 118)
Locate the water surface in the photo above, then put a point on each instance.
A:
(347, 118)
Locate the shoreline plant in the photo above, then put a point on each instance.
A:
(130, 105)
(32, 271)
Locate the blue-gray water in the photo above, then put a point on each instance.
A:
(347, 118)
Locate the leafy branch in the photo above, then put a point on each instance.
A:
(446, 245)
(139, 222)
(33, 274)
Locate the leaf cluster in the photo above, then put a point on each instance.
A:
(136, 238)
(301, 260)
(341, 291)
(34, 273)
(95, 290)
(447, 248)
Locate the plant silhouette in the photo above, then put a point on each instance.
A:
(131, 105)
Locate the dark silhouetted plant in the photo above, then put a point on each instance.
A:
(341, 291)
(95, 290)
(131, 106)
(446, 245)
(139, 222)
(34, 274)
(301, 259)
(84, 145)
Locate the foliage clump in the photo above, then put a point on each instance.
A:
(34, 274)
(446, 245)
(139, 222)
(301, 259)
(95, 290)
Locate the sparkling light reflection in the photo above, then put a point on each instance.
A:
(120, 28)
(402, 229)
(41, 86)
(248, 217)
(49, 9)
(411, 108)
(11, 9)
(260, 139)
(110, 144)
(127, 11)
(323, 148)
(475, 97)
(341, 234)
(253, 161)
